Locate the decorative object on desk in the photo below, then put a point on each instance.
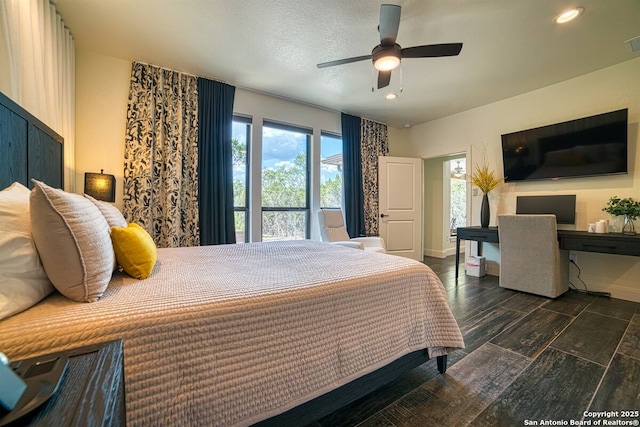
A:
(486, 180)
(485, 211)
(100, 186)
(602, 226)
(628, 227)
(626, 207)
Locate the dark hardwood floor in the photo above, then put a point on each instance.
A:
(527, 358)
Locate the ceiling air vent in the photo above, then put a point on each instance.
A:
(633, 44)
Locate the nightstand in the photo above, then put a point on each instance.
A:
(91, 392)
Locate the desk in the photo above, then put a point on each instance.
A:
(607, 243)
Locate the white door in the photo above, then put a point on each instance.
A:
(400, 193)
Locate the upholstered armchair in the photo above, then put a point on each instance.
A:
(332, 230)
(530, 257)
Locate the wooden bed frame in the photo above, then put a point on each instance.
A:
(30, 149)
(329, 402)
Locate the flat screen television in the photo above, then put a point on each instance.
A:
(589, 146)
(562, 206)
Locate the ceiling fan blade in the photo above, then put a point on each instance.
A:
(384, 77)
(343, 61)
(432, 50)
(389, 23)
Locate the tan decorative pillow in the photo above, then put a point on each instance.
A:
(111, 213)
(72, 238)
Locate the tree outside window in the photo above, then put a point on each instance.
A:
(330, 171)
(458, 195)
(285, 182)
(241, 133)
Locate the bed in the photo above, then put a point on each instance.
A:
(274, 333)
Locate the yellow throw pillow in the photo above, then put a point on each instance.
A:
(135, 250)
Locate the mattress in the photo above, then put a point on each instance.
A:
(233, 334)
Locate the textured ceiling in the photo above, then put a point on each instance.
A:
(510, 47)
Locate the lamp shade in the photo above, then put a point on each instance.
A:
(100, 186)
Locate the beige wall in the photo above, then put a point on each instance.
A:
(102, 90)
(478, 130)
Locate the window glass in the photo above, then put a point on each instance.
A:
(241, 133)
(330, 171)
(458, 195)
(285, 182)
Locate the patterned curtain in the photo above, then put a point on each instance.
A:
(373, 143)
(161, 155)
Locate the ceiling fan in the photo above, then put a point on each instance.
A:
(387, 55)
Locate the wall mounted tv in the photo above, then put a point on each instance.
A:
(589, 146)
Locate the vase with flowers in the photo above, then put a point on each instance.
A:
(486, 180)
(626, 207)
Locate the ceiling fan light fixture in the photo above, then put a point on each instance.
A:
(387, 63)
(388, 55)
(386, 58)
(569, 15)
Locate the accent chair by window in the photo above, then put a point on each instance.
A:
(332, 229)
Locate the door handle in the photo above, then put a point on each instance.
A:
(383, 215)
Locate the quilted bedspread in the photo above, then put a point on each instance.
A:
(233, 334)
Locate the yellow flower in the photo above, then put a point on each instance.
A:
(484, 178)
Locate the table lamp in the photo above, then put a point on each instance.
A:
(100, 186)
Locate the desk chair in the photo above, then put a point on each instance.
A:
(530, 258)
(333, 230)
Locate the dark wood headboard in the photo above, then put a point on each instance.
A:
(28, 148)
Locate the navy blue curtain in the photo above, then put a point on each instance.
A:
(352, 175)
(215, 164)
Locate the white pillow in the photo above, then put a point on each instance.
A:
(72, 237)
(23, 281)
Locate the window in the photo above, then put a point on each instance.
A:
(285, 182)
(241, 135)
(330, 171)
(458, 195)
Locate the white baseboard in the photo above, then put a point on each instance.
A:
(435, 253)
(452, 251)
(616, 291)
(443, 254)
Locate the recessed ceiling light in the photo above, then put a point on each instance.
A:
(407, 125)
(391, 96)
(569, 15)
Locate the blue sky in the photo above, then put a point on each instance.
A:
(280, 146)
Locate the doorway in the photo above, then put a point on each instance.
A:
(446, 202)
(456, 190)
